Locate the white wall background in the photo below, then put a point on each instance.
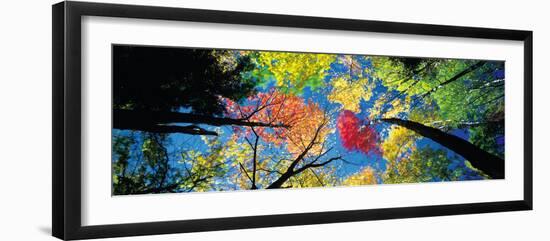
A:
(25, 119)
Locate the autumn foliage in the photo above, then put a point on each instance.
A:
(197, 120)
(301, 122)
(356, 134)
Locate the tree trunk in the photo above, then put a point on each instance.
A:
(190, 130)
(155, 121)
(281, 180)
(480, 159)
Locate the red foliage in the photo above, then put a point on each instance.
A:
(356, 134)
(274, 107)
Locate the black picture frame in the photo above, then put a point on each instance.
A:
(66, 198)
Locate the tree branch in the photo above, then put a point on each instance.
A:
(291, 169)
(456, 77)
(313, 164)
(245, 172)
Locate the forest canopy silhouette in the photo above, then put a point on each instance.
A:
(198, 120)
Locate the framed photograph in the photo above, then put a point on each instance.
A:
(169, 120)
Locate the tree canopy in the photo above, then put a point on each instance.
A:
(188, 120)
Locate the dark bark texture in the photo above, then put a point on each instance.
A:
(480, 159)
(160, 122)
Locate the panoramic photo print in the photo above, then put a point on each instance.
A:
(206, 120)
